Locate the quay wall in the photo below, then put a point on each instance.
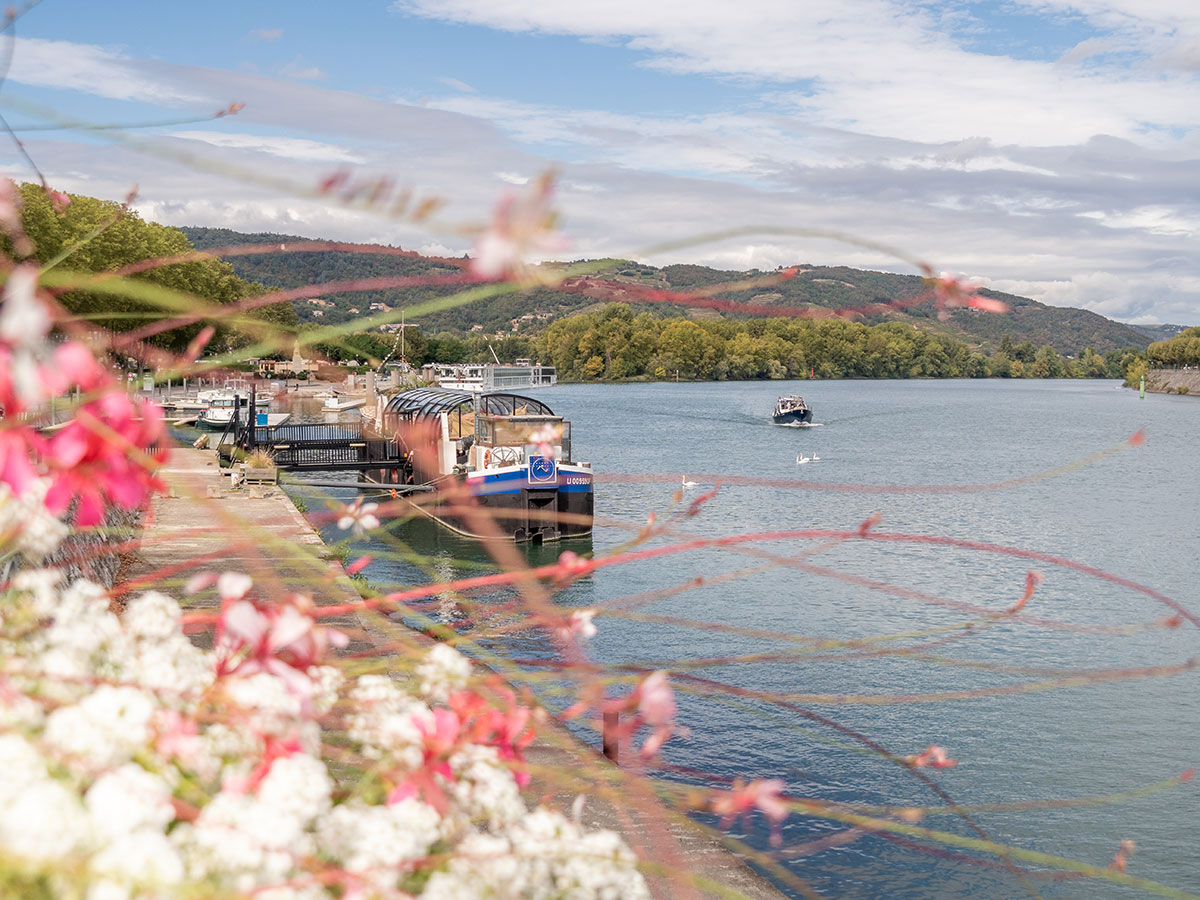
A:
(1174, 381)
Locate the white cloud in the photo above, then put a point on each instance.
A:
(457, 85)
(92, 70)
(267, 34)
(1149, 298)
(976, 201)
(288, 148)
(297, 69)
(877, 66)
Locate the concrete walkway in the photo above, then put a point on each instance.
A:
(203, 524)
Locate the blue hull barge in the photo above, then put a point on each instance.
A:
(510, 453)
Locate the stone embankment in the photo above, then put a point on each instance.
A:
(95, 553)
(203, 523)
(1174, 381)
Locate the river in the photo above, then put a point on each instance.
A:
(1022, 740)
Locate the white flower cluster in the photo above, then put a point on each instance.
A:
(443, 672)
(543, 855)
(25, 524)
(131, 768)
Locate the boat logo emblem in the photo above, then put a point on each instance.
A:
(541, 469)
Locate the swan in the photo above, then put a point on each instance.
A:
(801, 459)
(683, 481)
(814, 457)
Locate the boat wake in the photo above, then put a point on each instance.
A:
(798, 424)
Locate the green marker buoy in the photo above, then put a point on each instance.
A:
(1142, 392)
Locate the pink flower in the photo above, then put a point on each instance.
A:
(58, 200)
(656, 700)
(177, 737)
(578, 626)
(107, 452)
(231, 586)
(571, 566)
(24, 319)
(950, 291)
(442, 739)
(520, 224)
(933, 757)
(763, 795)
(10, 218)
(1121, 857)
(545, 438)
(331, 183)
(17, 445)
(273, 749)
(358, 518)
(509, 731)
(281, 639)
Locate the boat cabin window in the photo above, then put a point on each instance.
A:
(461, 421)
(465, 412)
(510, 431)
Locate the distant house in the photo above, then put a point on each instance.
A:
(286, 367)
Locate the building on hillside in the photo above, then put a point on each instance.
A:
(287, 367)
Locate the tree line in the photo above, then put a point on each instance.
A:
(1181, 350)
(614, 343)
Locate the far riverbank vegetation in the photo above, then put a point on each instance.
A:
(616, 344)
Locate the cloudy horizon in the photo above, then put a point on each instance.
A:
(1049, 147)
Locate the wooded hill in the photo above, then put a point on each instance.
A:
(1067, 330)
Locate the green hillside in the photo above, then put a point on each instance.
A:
(1067, 330)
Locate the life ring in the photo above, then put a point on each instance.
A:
(487, 458)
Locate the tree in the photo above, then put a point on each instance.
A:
(1046, 364)
(101, 236)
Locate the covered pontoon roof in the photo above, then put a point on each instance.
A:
(428, 402)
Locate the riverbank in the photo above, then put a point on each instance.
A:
(202, 523)
(1174, 381)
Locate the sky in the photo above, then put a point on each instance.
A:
(1048, 147)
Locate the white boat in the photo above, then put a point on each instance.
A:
(490, 377)
(197, 403)
(238, 386)
(337, 404)
(219, 412)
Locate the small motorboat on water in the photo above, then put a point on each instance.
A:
(791, 410)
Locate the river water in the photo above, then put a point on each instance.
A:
(909, 452)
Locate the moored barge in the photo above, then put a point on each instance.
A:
(510, 453)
